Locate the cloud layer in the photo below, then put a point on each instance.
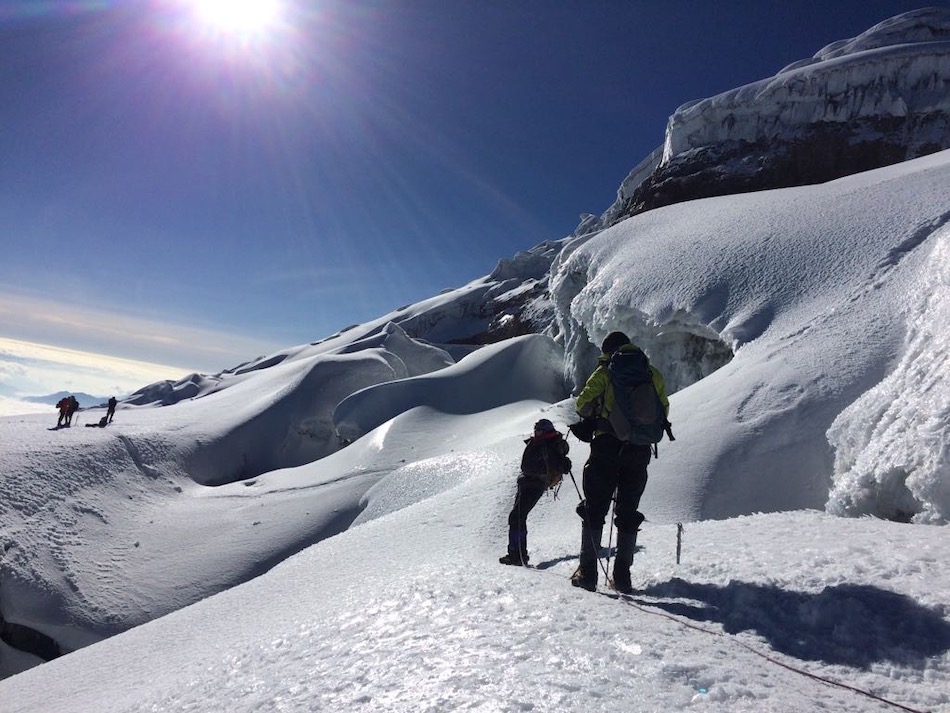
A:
(30, 369)
(130, 337)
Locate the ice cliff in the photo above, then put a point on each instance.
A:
(870, 101)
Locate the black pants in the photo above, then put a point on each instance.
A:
(614, 465)
(529, 493)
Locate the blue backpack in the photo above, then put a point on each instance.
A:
(638, 416)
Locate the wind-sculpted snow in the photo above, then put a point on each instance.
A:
(166, 393)
(424, 336)
(406, 356)
(893, 444)
(918, 26)
(86, 513)
(520, 369)
(808, 286)
(107, 528)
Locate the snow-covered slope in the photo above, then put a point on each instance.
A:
(363, 482)
(104, 529)
(412, 612)
(814, 289)
(519, 369)
(820, 296)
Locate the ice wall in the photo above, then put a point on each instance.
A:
(893, 444)
(896, 69)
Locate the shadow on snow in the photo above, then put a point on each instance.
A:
(848, 624)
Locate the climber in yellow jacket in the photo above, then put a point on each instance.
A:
(620, 452)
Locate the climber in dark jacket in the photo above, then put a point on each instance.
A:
(543, 463)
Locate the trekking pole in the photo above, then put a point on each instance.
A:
(600, 561)
(610, 535)
(579, 496)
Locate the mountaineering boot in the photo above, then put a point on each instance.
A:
(586, 574)
(517, 549)
(515, 561)
(626, 545)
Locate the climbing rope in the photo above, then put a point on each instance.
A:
(771, 659)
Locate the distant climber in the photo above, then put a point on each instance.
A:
(111, 410)
(63, 406)
(543, 463)
(71, 409)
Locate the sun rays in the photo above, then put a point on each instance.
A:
(245, 20)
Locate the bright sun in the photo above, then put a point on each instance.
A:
(244, 18)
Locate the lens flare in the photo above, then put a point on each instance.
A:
(241, 18)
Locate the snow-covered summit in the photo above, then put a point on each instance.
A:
(929, 24)
(873, 100)
(886, 72)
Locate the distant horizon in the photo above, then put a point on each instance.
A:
(28, 369)
(78, 394)
(45, 403)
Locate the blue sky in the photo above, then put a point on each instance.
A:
(183, 196)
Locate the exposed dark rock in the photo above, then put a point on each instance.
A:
(821, 153)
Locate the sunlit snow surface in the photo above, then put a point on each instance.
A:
(820, 291)
(831, 298)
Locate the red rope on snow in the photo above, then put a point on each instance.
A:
(771, 659)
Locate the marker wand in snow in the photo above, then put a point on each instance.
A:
(679, 541)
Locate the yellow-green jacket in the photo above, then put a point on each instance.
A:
(597, 396)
